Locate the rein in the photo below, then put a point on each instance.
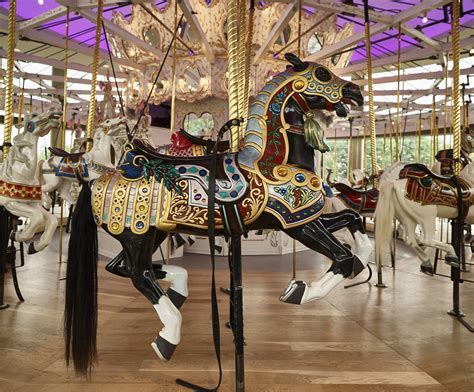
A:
(216, 333)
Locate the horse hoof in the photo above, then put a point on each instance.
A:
(453, 261)
(31, 249)
(293, 294)
(163, 348)
(428, 270)
(357, 267)
(176, 298)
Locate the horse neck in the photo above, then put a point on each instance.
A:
(101, 152)
(263, 119)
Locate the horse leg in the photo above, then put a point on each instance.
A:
(50, 225)
(177, 276)
(25, 209)
(353, 222)
(315, 236)
(139, 251)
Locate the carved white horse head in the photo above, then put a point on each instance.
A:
(41, 124)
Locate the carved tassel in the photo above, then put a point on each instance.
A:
(313, 134)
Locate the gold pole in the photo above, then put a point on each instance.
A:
(8, 121)
(419, 138)
(20, 103)
(397, 128)
(384, 142)
(95, 68)
(248, 55)
(300, 7)
(66, 50)
(456, 116)
(233, 70)
(433, 129)
(241, 59)
(446, 100)
(334, 165)
(173, 79)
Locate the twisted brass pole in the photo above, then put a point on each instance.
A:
(373, 147)
(173, 78)
(233, 70)
(456, 116)
(241, 59)
(8, 121)
(66, 55)
(248, 54)
(95, 68)
(446, 101)
(397, 128)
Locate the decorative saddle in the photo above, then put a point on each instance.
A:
(71, 165)
(363, 201)
(72, 157)
(426, 187)
(143, 160)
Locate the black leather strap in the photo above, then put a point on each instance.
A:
(216, 333)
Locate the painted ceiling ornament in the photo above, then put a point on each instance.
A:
(198, 78)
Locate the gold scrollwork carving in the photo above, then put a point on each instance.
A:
(118, 205)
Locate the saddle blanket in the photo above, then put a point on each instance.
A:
(20, 191)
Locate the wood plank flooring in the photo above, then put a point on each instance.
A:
(361, 339)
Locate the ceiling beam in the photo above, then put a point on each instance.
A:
(414, 76)
(93, 3)
(55, 78)
(57, 40)
(419, 36)
(42, 18)
(418, 93)
(192, 19)
(414, 54)
(58, 63)
(377, 28)
(122, 33)
(339, 8)
(276, 30)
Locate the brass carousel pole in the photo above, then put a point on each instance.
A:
(300, 5)
(446, 101)
(242, 48)
(458, 223)
(63, 130)
(173, 107)
(8, 119)
(233, 71)
(173, 80)
(419, 137)
(95, 68)
(20, 103)
(456, 115)
(248, 55)
(397, 128)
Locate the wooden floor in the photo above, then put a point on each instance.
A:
(361, 339)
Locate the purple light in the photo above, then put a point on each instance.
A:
(276, 55)
(191, 52)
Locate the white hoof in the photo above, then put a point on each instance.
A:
(363, 247)
(321, 288)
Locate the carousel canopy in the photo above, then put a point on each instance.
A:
(332, 33)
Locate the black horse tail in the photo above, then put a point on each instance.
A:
(80, 310)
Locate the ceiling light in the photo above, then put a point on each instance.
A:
(41, 2)
(425, 18)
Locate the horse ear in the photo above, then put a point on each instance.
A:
(298, 65)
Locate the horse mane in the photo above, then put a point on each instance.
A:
(391, 172)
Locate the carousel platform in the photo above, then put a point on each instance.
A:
(361, 339)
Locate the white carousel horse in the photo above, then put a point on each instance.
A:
(63, 169)
(416, 200)
(20, 189)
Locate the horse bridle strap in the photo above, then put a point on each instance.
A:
(216, 333)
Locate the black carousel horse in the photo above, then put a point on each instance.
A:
(269, 184)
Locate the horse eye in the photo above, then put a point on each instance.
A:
(323, 74)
